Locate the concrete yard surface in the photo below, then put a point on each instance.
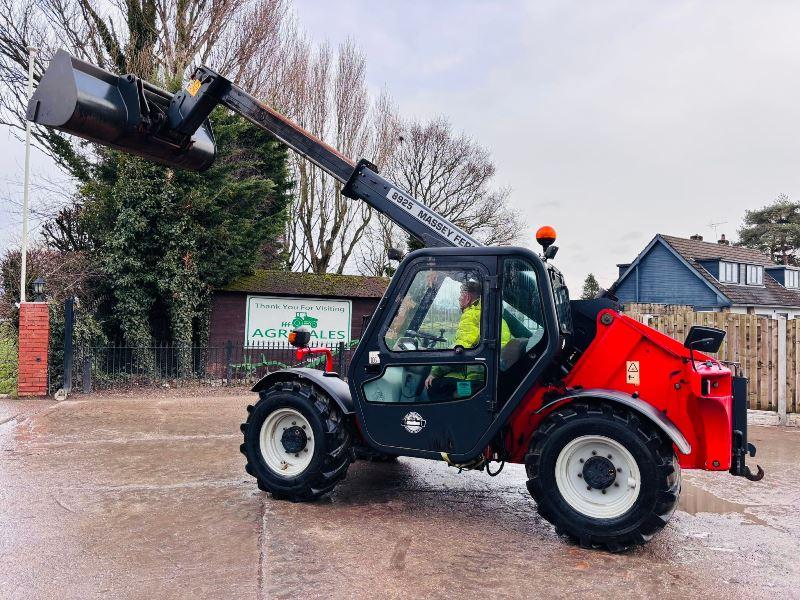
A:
(144, 495)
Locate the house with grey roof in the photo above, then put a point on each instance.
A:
(709, 276)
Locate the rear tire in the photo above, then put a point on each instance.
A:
(604, 477)
(296, 442)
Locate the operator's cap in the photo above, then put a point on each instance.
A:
(471, 283)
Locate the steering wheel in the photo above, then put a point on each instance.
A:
(428, 339)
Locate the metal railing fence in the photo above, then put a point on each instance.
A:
(120, 365)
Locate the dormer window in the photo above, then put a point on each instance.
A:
(755, 275)
(728, 272)
(791, 279)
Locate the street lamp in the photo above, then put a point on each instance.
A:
(38, 289)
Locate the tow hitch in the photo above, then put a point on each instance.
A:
(741, 447)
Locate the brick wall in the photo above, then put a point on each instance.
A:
(34, 338)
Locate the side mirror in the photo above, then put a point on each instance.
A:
(300, 337)
(704, 339)
(394, 254)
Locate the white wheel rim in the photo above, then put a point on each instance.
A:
(619, 496)
(279, 461)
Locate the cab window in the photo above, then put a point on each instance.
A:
(441, 309)
(422, 384)
(561, 298)
(523, 334)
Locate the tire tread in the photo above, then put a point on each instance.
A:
(334, 464)
(660, 448)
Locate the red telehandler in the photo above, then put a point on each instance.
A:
(474, 354)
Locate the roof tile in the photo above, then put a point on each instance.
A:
(699, 250)
(771, 293)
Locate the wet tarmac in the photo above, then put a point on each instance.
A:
(146, 497)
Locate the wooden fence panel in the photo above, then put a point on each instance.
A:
(773, 363)
(790, 380)
(751, 354)
(793, 365)
(751, 341)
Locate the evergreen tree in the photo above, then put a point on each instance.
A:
(164, 239)
(590, 287)
(774, 229)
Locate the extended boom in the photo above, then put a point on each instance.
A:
(134, 116)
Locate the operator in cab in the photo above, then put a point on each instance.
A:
(447, 382)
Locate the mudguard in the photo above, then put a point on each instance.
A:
(644, 408)
(330, 383)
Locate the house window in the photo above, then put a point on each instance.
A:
(755, 275)
(728, 272)
(791, 279)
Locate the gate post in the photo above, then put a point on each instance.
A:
(782, 371)
(69, 326)
(229, 361)
(34, 340)
(341, 359)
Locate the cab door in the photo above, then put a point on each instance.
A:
(425, 375)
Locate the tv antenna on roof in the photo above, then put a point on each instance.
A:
(715, 225)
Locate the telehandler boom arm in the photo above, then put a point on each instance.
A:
(134, 116)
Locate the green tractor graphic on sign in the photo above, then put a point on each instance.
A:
(302, 318)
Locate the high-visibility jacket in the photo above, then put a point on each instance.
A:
(468, 335)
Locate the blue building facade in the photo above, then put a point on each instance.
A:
(662, 277)
(709, 276)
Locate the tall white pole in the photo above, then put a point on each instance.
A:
(23, 274)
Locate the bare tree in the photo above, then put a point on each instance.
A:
(66, 232)
(66, 273)
(452, 175)
(372, 256)
(329, 98)
(258, 43)
(255, 42)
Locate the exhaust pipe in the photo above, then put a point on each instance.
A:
(121, 111)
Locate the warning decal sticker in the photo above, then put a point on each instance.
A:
(193, 87)
(632, 372)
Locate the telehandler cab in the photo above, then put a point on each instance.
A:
(474, 354)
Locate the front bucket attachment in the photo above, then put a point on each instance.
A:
(120, 111)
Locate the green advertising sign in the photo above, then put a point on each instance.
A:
(270, 319)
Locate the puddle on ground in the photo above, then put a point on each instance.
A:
(695, 500)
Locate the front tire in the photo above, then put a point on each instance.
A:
(296, 442)
(604, 477)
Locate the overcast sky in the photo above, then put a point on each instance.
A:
(610, 120)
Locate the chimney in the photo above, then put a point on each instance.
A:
(696, 237)
(722, 241)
